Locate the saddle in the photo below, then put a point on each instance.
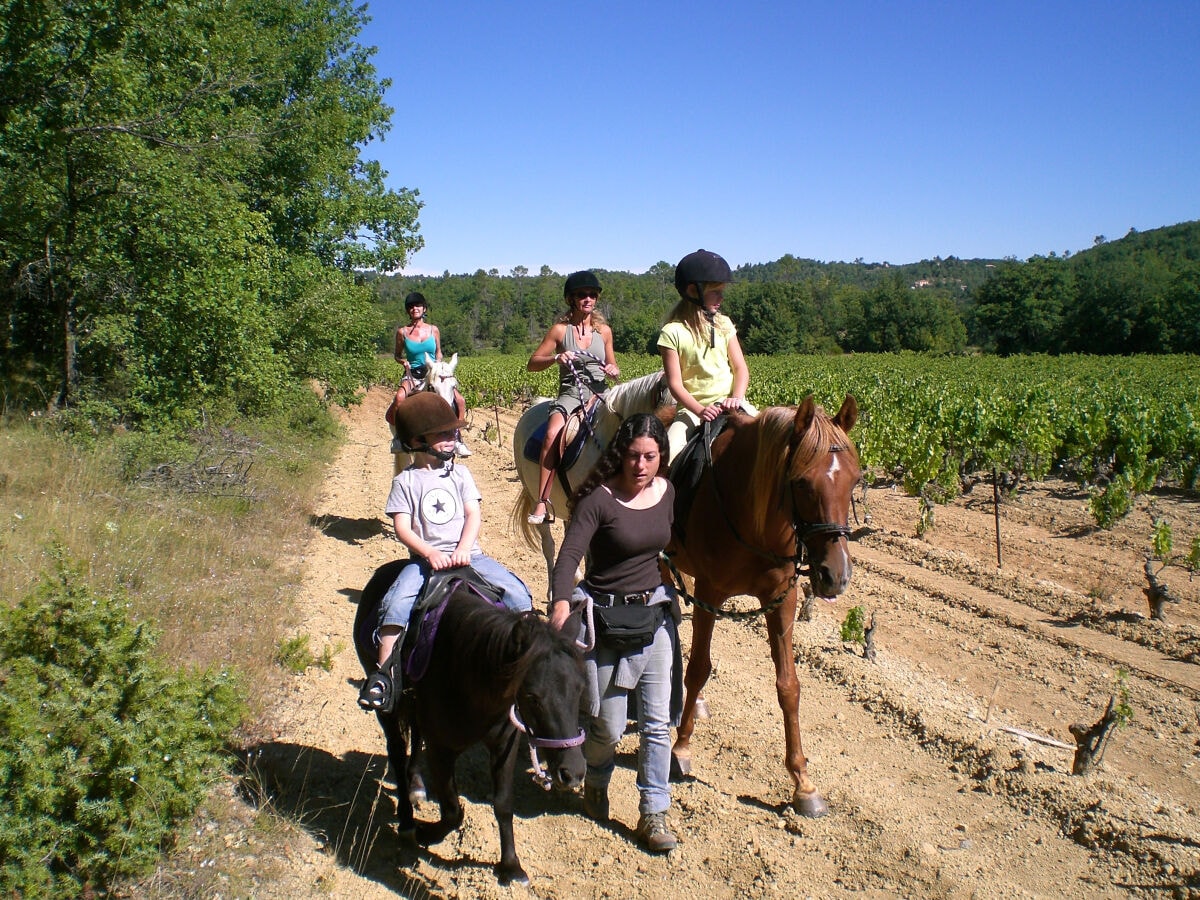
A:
(418, 639)
(689, 467)
(570, 442)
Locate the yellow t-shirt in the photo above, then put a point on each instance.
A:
(705, 369)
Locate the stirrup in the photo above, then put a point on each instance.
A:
(377, 694)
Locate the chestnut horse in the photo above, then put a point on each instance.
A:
(776, 499)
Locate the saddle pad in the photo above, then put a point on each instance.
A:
(428, 613)
(571, 441)
(687, 470)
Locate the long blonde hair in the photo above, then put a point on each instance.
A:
(691, 314)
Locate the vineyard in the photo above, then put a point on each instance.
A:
(1117, 426)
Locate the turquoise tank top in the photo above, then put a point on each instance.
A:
(414, 351)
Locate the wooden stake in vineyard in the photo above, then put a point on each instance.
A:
(996, 512)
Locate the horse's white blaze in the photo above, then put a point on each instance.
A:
(834, 467)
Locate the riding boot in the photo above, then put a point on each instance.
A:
(381, 691)
(393, 667)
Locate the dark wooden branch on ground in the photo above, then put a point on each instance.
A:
(869, 640)
(1158, 595)
(1090, 740)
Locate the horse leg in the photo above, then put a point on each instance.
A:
(398, 760)
(504, 758)
(416, 766)
(440, 764)
(547, 537)
(806, 799)
(699, 667)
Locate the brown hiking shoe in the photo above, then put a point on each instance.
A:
(595, 803)
(653, 832)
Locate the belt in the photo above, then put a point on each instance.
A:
(639, 597)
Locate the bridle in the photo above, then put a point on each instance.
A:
(801, 530)
(540, 776)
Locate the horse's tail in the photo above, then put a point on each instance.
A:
(520, 521)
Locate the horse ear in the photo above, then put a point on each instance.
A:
(847, 415)
(429, 360)
(804, 416)
(453, 364)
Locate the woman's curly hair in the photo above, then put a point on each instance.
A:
(609, 464)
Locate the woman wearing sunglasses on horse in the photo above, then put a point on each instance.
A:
(413, 342)
(620, 521)
(580, 343)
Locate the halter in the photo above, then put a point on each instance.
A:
(801, 529)
(540, 776)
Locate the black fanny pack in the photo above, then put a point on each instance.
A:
(627, 627)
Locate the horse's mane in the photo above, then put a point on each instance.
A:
(495, 647)
(636, 395)
(770, 475)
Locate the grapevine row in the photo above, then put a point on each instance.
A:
(1119, 425)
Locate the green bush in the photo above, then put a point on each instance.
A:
(103, 750)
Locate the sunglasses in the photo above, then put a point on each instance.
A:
(586, 292)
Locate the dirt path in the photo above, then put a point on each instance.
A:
(929, 796)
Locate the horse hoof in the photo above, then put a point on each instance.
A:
(506, 877)
(681, 767)
(408, 838)
(811, 805)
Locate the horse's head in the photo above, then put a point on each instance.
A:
(441, 377)
(822, 471)
(548, 703)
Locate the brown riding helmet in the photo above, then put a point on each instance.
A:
(423, 414)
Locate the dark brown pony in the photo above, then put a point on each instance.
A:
(776, 499)
(504, 679)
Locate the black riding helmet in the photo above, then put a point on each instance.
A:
(578, 280)
(416, 298)
(700, 268)
(424, 414)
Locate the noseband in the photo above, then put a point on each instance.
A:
(540, 776)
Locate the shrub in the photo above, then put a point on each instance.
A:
(103, 750)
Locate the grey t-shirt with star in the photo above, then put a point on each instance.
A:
(435, 499)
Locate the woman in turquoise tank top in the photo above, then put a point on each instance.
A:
(413, 341)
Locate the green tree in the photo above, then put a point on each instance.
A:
(893, 316)
(1020, 309)
(182, 203)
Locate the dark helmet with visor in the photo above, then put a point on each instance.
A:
(700, 268)
(577, 281)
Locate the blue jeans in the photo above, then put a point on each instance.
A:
(653, 690)
(397, 604)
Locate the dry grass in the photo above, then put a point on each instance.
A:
(211, 561)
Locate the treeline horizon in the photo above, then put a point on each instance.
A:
(1137, 294)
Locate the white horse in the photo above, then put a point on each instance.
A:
(640, 395)
(439, 377)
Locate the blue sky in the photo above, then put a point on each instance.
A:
(618, 134)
